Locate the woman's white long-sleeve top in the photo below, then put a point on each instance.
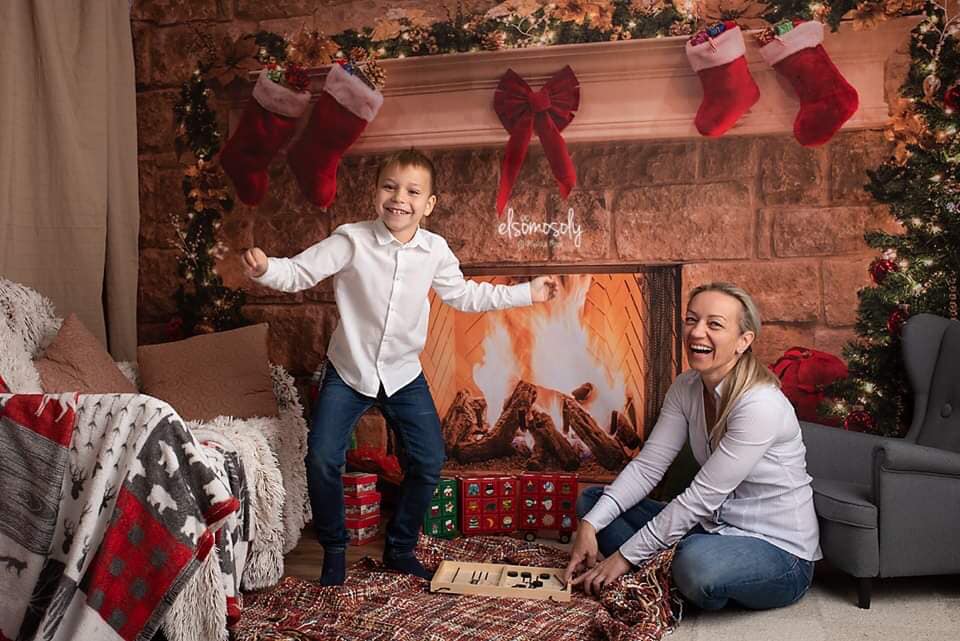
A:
(754, 484)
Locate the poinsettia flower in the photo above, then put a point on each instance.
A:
(312, 49)
(747, 13)
(206, 185)
(599, 12)
(518, 8)
(238, 58)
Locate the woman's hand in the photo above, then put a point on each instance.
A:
(602, 575)
(254, 263)
(585, 551)
(543, 288)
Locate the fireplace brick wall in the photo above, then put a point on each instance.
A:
(781, 220)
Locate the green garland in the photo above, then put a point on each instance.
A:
(204, 303)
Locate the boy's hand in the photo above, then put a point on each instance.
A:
(254, 262)
(544, 288)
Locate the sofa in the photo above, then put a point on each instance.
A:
(245, 476)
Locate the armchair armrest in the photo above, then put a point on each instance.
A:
(916, 490)
(837, 454)
(903, 456)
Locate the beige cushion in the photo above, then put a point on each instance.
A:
(222, 374)
(76, 362)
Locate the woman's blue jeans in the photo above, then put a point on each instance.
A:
(410, 412)
(711, 570)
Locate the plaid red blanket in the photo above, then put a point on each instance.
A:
(376, 605)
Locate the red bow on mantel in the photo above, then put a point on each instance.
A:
(547, 111)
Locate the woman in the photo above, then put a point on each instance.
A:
(745, 528)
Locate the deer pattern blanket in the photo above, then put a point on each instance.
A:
(110, 505)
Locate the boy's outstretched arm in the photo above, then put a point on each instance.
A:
(304, 270)
(471, 296)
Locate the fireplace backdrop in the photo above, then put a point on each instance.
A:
(571, 385)
(753, 207)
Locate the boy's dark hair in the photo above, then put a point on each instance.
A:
(410, 158)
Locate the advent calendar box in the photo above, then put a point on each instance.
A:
(441, 517)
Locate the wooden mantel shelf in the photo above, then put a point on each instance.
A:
(634, 89)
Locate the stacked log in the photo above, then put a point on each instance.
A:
(549, 444)
(499, 441)
(605, 448)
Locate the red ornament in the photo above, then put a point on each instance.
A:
(896, 320)
(858, 421)
(951, 98)
(881, 267)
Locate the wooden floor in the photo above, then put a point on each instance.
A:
(306, 560)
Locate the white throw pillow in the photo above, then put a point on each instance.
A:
(30, 315)
(16, 366)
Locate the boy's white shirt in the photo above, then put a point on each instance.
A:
(381, 287)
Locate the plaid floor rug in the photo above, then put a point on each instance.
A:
(375, 605)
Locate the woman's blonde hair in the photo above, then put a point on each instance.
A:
(749, 371)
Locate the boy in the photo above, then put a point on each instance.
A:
(383, 271)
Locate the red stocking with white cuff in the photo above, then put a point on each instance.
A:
(827, 100)
(267, 124)
(341, 114)
(728, 88)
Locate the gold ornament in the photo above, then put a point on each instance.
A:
(374, 74)
(493, 40)
(358, 54)
(931, 85)
(681, 28)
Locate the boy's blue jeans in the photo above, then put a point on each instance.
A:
(410, 412)
(711, 570)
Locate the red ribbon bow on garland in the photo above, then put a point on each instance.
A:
(547, 111)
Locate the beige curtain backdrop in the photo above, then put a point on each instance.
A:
(69, 208)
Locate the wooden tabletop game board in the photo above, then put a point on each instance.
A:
(493, 579)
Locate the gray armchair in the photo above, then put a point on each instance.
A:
(891, 507)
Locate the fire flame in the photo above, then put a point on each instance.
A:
(549, 346)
